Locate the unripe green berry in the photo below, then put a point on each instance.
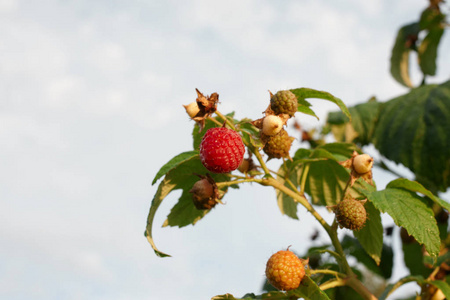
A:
(278, 146)
(284, 102)
(351, 214)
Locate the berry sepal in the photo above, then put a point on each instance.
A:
(205, 107)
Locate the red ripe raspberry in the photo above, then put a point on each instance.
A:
(285, 270)
(221, 150)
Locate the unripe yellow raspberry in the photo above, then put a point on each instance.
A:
(285, 270)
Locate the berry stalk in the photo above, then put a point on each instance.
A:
(225, 119)
(262, 163)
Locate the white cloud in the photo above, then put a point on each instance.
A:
(8, 6)
(110, 57)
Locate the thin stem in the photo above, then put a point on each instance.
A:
(228, 183)
(357, 285)
(344, 192)
(286, 179)
(329, 272)
(234, 176)
(215, 121)
(261, 162)
(225, 119)
(332, 284)
(304, 176)
(433, 274)
(300, 199)
(291, 184)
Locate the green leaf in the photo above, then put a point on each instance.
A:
(414, 130)
(181, 175)
(414, 258)
(340, 151)
(163, 190)
(445, 258)
(400, 53)
(354, 248)
(308, 289)
(442, 285)
(305, 93)
(173, 163)
(231, 297)
(387, 291)
(409, 211)
(344, 292)
(304, 107)
(414, 186)
(250, 134)
(431, 18)
(327, 179)
(290, 170)
(364, 119)
(427, 51)
(286, 204)
(371, 235)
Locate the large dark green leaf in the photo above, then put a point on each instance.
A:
(400, 53)
(179, 174)
(414, 130)
(428, 51)
(408, 210)
(414, 186)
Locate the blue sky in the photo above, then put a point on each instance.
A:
(91, 96)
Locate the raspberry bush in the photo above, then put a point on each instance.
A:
(335, 173)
